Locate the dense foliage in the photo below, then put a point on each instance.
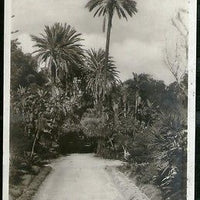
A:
(144, 128)
(39, 111)
(141, 121)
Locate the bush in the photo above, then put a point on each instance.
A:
(146, 173)
(172, 160)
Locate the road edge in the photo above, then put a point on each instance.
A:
(30, 191)
(128, 188)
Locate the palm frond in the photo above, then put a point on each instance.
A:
(59, 42)
(95, 70)
(104, 7)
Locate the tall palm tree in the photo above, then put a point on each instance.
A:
(107, 8)
(60, 49)
(95, 70)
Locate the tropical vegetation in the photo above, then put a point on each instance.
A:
(64, 88)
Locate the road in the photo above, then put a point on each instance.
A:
(79, 177)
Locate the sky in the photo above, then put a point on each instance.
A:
(137, 45)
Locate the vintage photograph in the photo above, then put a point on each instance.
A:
(98, 99)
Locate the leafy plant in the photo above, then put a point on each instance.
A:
(172, 159)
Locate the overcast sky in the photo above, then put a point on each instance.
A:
(136, 45)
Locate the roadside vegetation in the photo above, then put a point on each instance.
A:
(65, 88)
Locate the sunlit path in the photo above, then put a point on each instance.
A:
(79, 177)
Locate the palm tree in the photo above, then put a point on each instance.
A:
(95, 77)
(107, 8)
(60, 49)
(95, 70)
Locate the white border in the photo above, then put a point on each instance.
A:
(6, 109)
(191, 100)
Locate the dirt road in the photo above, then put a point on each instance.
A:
(79, 177)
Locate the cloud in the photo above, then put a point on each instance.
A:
(94, 41)
(32, 15)
(136, 56)
(136, 44)
(26, 43)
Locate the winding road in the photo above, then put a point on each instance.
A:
(79, 177)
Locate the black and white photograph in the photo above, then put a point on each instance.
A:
(97, 98)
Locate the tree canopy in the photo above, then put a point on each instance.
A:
(59, 47)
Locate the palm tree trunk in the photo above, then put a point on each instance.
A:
(54, 70)
(107, 46)
(108, 39)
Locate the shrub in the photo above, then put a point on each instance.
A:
(172, 159)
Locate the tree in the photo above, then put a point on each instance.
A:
(95, 70)
(107, 9)
(180, 26)
(96, 122)
(23, 68)
(60, 49)
(177, 64)
(143, 96)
